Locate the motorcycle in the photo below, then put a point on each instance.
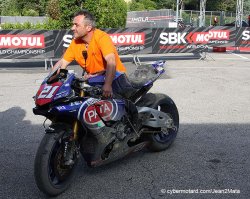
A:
(101, 130)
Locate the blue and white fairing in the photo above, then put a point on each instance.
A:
(65, 90)
(100, 79)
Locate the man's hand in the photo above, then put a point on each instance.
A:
(109, 76)
(87, 76)
(107, 91)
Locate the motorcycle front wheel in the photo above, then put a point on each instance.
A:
(52, 175)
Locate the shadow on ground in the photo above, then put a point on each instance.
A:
(204, 156)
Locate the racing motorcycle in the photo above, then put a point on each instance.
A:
(101, 130)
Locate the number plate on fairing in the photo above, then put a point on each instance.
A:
(46, 93)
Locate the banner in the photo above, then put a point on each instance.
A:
(190, 40)
(26, 44)
(42, 44)
(243, 38)
(62, 39)
(150, 18)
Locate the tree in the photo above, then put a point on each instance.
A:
(247, 7)
(1, 6)
(23, 7)
(108, 13)
(53, 9)
(135, 6)
(67, 10)
(165, 4)
(225, 5)
(138, 5)
(9, 8)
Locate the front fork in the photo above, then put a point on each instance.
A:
(76, 123)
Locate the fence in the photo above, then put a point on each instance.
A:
(22, 19)
(192, 17)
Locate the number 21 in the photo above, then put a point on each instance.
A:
(47, 92)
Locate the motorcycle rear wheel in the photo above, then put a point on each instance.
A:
(162, 139)
(52, 176)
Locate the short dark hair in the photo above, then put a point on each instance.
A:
(88, 16)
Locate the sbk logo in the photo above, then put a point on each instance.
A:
(172, 38)
(193, 37)
(104, 109)
(128, 38)
(246, 35)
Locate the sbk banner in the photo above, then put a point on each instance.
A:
(243, 38)
(26, 44)
(62, 39)
(190, 40)
(127, 41)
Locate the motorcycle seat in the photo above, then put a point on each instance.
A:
(144, 74)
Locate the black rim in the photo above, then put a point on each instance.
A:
(169, 134)
(164, 137)
(58, 171)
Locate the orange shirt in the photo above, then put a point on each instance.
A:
(99, 46)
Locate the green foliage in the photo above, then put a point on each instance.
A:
(30, 12)
(247, 7)
(8, 26)
(53, 9)
(67, 10)
(135, 6)
(1, 6)
(50, 24)
(23, 7)
(10, 8)
(185, 16)
(225, 5)
(165, 4)
(108, 13)
(140, 5)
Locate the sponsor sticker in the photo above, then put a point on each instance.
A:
(103, 108)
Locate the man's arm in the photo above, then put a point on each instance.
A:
(62, 63)
(110, 74)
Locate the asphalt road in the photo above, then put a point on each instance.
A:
(211, 152)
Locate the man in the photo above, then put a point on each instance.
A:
(94, 51)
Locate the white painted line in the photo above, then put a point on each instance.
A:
(208, 67)
(239, 56)
(228, 58)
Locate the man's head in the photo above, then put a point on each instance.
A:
(83, 23)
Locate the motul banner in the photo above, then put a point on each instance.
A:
(24, 44)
